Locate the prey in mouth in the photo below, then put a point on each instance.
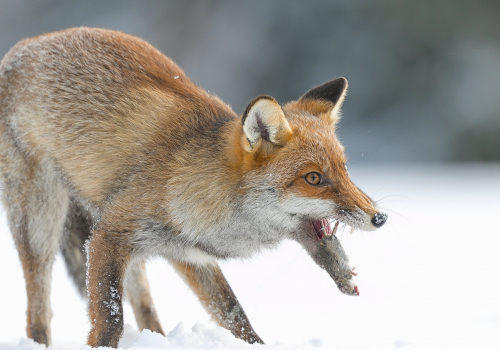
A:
(331, 256)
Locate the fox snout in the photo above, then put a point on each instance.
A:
(356, 208)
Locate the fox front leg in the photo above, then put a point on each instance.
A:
(108, 258)
(216, 296)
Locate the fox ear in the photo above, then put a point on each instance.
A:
(327, 98)
(264, 120)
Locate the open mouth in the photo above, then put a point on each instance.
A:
(324, 228)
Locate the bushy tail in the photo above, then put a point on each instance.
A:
(77, 232)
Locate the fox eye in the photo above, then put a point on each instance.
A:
(314, 178)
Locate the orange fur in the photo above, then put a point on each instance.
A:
(100, 131)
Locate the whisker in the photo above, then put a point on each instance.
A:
(343, 229)
(392, 211)
(391, 195)
(389, 201)
(377, 191)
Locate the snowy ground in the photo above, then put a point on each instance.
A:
(429, 279)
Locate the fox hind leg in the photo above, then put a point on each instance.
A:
(138, 293)
(76, 233)
(216, 296)
(36, 204)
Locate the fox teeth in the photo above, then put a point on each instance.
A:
(335, 227)
(326, 227)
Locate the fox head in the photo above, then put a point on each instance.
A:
(293, 157)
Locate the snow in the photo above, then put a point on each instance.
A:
(428, 279)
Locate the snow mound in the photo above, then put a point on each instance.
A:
(199, 336)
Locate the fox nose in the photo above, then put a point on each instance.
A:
(379, 219)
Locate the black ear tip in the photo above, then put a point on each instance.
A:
(330, 91)
(342, 81)
(339, 83)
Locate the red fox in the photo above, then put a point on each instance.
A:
(105, 143)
